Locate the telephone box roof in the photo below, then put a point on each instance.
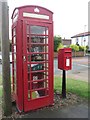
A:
(22, 7)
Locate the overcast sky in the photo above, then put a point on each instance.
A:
(70, 16)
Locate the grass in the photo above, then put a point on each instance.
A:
(74, 86)
(0, 80)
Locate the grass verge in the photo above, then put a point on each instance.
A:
(74, 86)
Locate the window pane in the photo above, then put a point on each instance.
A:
(39, 30)
(14, 31)
(14, 40)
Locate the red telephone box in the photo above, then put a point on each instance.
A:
(32, 57)
(65, 59)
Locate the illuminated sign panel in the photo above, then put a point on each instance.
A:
(32, 15)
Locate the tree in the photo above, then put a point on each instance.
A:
(57, 41)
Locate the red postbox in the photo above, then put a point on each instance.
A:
(32, 57)
(65, 59)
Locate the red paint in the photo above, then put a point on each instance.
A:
(34, 69)
(65, 59)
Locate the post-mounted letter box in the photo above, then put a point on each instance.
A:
(65, 59)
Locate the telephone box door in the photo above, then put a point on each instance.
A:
(37, 65)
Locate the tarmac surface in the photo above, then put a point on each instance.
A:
(80, 68)
(78, 111)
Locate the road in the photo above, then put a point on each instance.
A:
(79, 68)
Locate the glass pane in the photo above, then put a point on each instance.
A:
(15, 65)
(28, 67)
(39, 39)
(29, 58)
(14, 40)
(46, 31)
(37, 76)
(14, 48)
(28, 94)
(28, 48)
(38, 85)
(28, 39)
(38, 48)
(14, 31)
(35, 95)
(39, 93)
(36, 67)
(37, 30)
(28, 29)
(14, 57)
(28, 76)
(37, 57)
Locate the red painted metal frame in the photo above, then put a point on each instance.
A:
(21, 66)
(46, 100)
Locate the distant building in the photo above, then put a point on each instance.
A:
(66, 42)
(82, 39)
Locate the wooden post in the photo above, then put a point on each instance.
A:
(7, 105)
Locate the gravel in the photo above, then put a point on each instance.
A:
(59, 102)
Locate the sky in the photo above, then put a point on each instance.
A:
(70, 16)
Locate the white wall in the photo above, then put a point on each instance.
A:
(80, 41)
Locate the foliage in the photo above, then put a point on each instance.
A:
(82, 48)
(57, 41)
(87, 48)
(74, 86)
(60, 46)
(74, 47)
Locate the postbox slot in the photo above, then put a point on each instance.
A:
(67, 51)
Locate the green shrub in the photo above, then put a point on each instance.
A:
(60, 46)
(82, 48)
(87, 48)
(74, 47)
